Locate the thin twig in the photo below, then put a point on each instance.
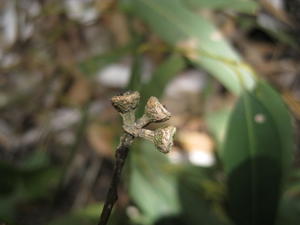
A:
(112, 195)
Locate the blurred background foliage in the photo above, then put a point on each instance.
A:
(228, 71)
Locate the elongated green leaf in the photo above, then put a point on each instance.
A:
(134, 83)
(152, 188)
(245, 6)
(283, 120)
(198, 39)
(255, 157)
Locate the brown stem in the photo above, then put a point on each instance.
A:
(112, 195)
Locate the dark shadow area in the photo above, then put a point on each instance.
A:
(254, 203)
(197, 207)
(171, 220)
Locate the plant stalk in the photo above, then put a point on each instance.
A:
(112, 195)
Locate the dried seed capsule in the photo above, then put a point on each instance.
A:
(163, 138)
(155, 111)
(126, 102)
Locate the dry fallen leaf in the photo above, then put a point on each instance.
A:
(80, 91)
(293, 103)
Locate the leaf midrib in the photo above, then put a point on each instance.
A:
(252, 150)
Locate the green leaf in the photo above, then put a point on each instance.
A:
(296, 173)
(198, 39)
(37, 160)
(289, 211)
(136, 72)
(86, 216)
(282, 119)
(152, 188)
(160, 78)
(201, 196)
(245, 6)
(40, 183)
(255, 156)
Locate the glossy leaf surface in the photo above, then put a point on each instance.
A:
(197, 39)
(256, 156)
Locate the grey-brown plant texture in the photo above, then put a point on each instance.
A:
(162, 138)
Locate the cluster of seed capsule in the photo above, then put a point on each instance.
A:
(155, 112)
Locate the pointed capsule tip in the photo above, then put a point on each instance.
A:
(156, 111)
